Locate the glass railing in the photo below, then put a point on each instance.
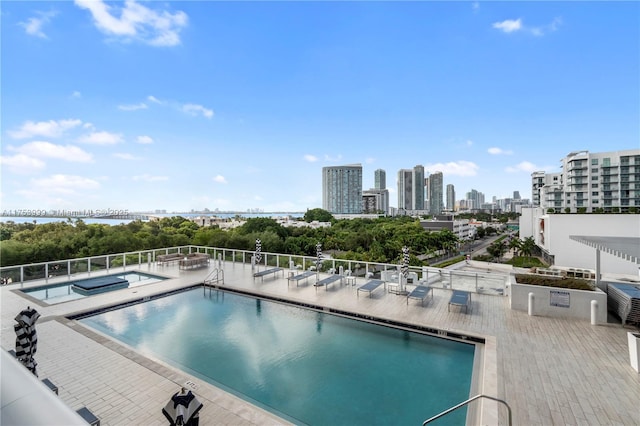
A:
(493, 281)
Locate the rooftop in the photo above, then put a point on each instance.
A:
(549, 370)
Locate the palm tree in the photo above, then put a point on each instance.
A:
(497, 249)
(528, 246)
(515, 244)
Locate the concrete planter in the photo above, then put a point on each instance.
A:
(634, 350)
(558, 302)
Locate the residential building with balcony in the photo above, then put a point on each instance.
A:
(591, 182)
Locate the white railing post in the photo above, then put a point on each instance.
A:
(531, 301)
(594, 312)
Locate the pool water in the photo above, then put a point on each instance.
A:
(63, 292)
(306, 366)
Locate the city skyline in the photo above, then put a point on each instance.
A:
(235, 105)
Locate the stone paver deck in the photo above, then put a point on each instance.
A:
(551, 371)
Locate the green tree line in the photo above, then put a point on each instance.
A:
(374, 240)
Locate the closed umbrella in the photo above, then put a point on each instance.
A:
(27, 338)
(318, 256)
(404, 267)
(258, 253)
(183, 409)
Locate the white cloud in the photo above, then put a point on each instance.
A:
(524, 166)
(220, 179)
(454, 168)
(125, 156)
(508, 25)
(64, 184)
(133, 107)
(148, 178)
(195, 109)
(143, 139)
(475, 6)
(310, 158)
(155, 100)
(511, 25)
(33, 26)
(499, 151)
(49, 129)
(549, 28)
(136, 22)
(44, 149)
(369, 160)
(76, 95)
(21, 163)
(469, 142)
(101, 138)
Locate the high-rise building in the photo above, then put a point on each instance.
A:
(380, 179)
(475, 199)
(427, 195)
(405, 189)
(516, 195)
(451, 197)
(342, 189)
(375, 201)
(436, 204)
(605, 181)
(418, 188)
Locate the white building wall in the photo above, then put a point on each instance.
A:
(551, 232)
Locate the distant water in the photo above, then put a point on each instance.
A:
(41, 220)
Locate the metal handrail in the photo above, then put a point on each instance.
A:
(455, 407)
(217, 272)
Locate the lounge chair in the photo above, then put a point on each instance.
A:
(326, 281)
(303, 276)
(370, 286)
(460, 298)
(262, 274)
(420, 292)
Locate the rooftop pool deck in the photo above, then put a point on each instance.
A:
(549, 370)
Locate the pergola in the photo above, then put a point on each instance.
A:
(627, 248)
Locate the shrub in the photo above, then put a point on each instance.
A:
(526, 262)
(571, 283)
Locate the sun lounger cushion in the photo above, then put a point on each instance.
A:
(460, 298)
(370, 286)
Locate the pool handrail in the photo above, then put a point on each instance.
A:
(463, 403)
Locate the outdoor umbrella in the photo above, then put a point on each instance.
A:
(26, 338)
(183, 409)
(258, 253)
(404, 266)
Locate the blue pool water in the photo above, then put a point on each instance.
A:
(63, 292)
(306, 366)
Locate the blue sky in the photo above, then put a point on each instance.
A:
(238, 105)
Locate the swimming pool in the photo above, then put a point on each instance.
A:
(306, 366)
(72, 290)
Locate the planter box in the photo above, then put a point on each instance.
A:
(634, 350)
(558, 302)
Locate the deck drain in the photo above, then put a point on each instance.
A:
(190, 384)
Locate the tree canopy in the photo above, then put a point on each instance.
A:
(374, 240)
